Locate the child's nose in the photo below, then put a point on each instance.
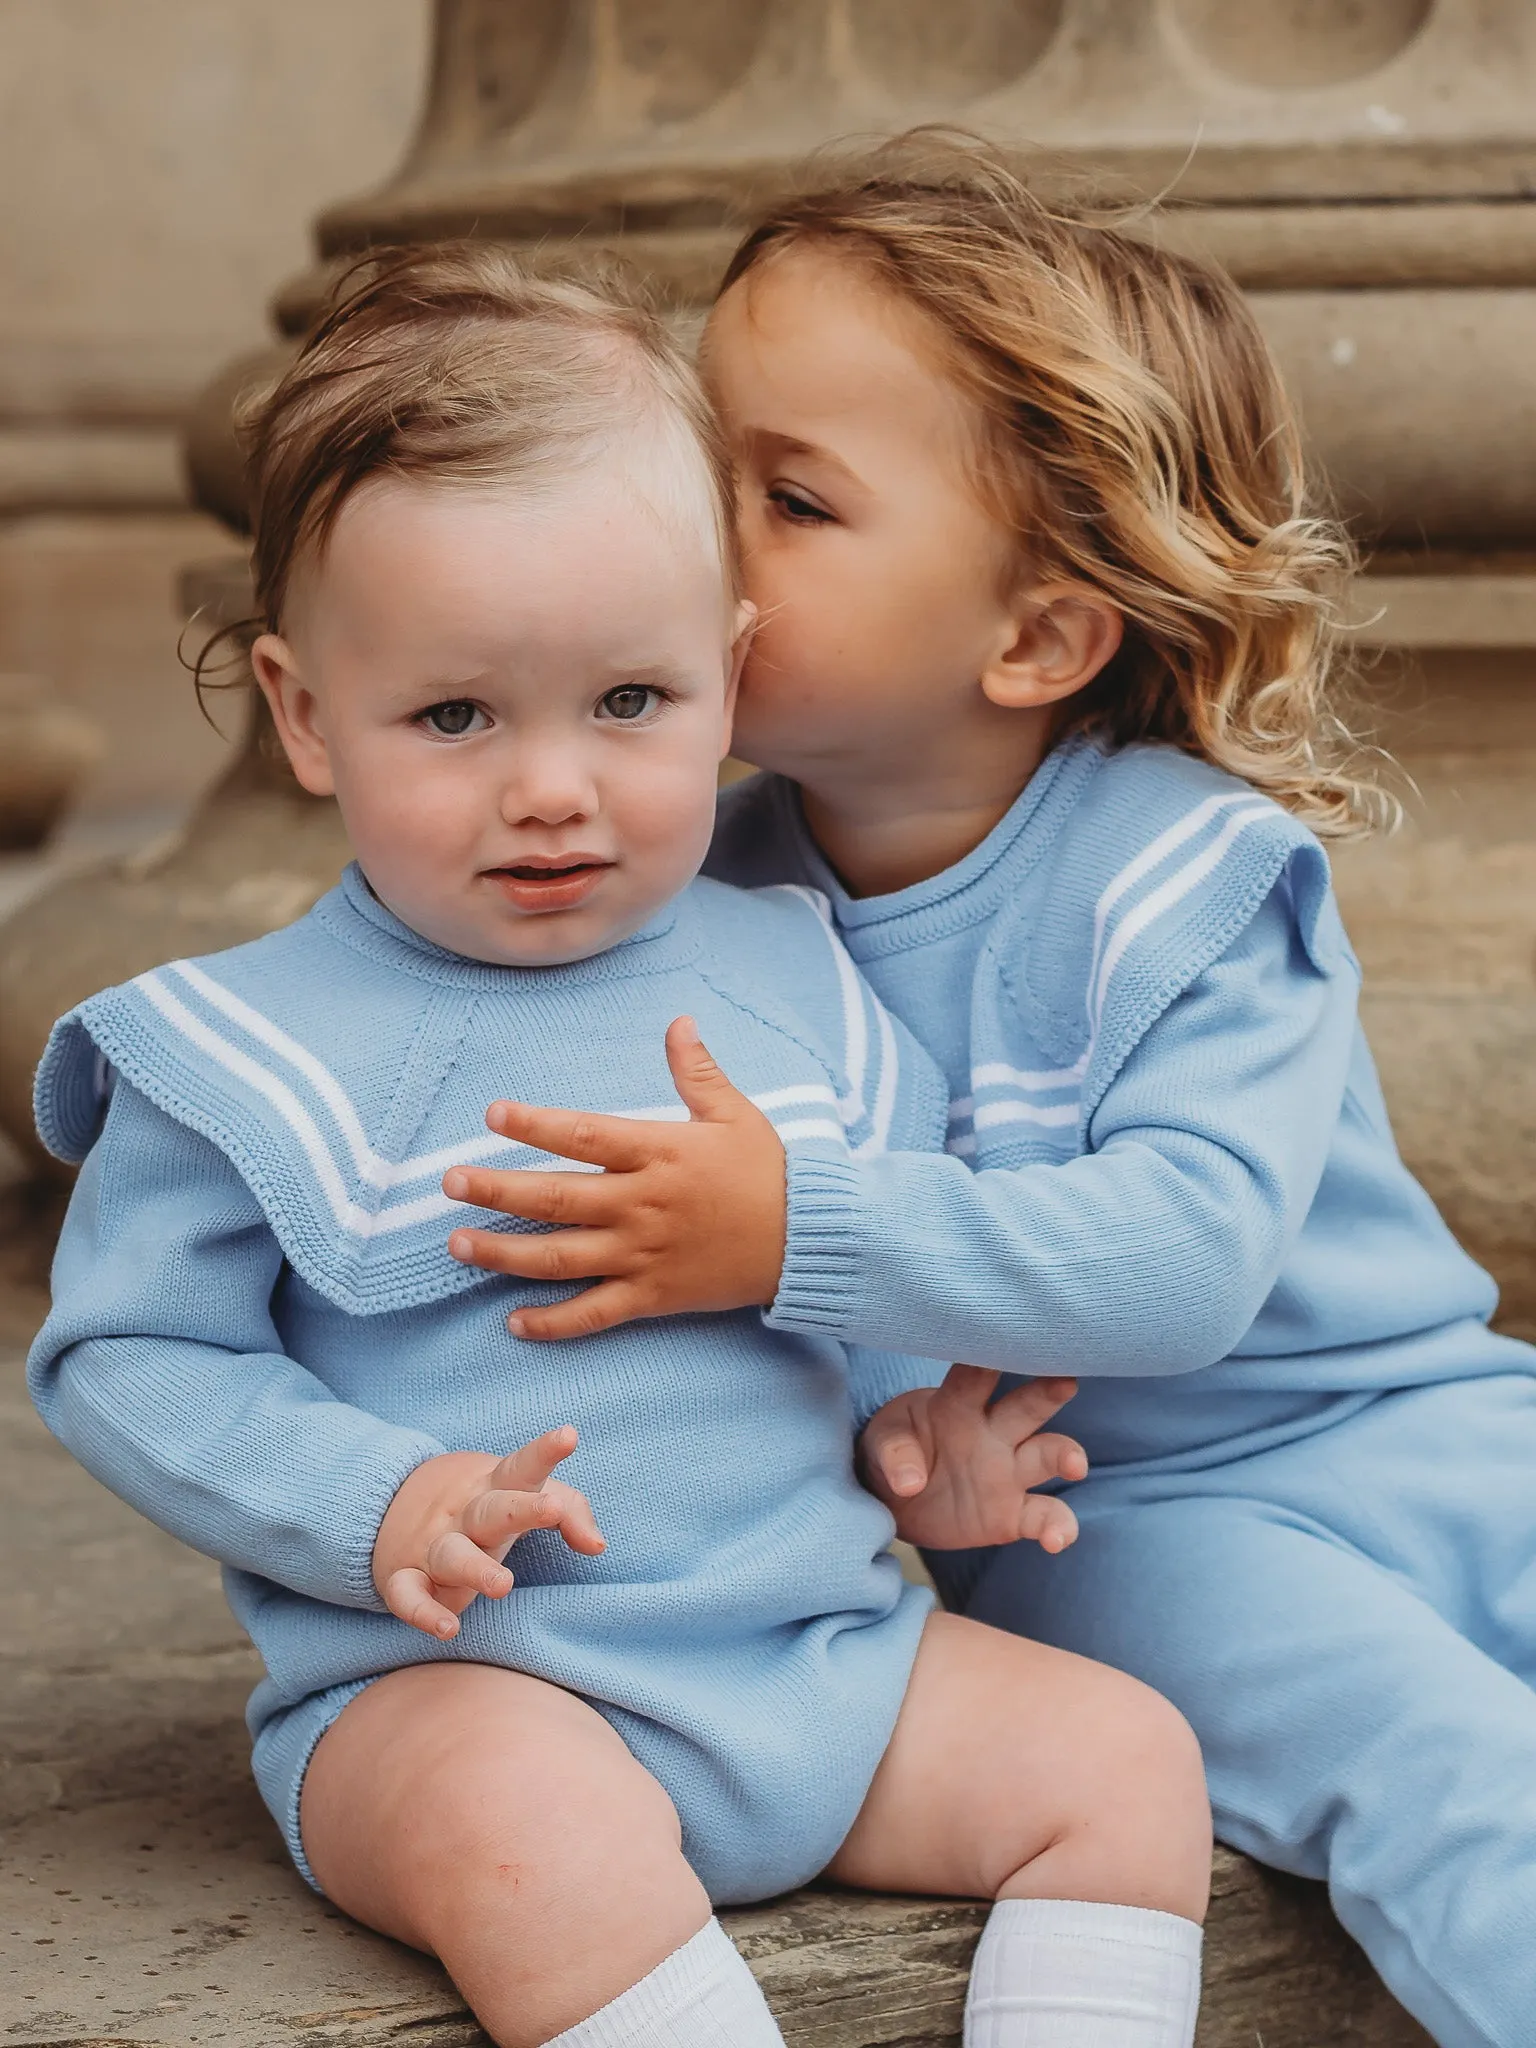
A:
(550, 785)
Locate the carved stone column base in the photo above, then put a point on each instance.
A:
(45, 750)
(255, 854)
(1444, 919)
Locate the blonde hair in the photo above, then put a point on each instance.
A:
(1135, 437)
(454, 363)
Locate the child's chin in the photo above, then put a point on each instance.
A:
(555, 939)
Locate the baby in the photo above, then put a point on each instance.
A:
(494, 560)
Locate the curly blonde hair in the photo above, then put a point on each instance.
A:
(1136, 437)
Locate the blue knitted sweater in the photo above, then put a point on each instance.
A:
(257, 1333)
(1169, 1166)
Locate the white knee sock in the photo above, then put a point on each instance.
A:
(1055, 1973)
(702, 1996)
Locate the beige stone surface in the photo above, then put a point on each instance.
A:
(171, 154)
(88, 601)
(1444, 918)
(162, 162)
(46, 748)
(546, 117)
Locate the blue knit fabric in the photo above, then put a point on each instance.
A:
(1170, 1171)
(1169, 1167)
(257, 1333)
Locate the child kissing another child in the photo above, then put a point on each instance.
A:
(1043, 684)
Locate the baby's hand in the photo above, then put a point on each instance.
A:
(445, 1533)
(957, 1474)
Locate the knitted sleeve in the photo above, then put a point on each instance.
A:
(891, 1097)
(1153, 1251)
(875, 1377)
(161, 1370)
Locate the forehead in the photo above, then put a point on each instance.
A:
(586, 561)
(812, 346)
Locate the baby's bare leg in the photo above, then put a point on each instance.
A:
(1074, 1797)
(1022, 1772)
(501, 1824)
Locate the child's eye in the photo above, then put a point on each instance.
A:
(796, 508)
(452, 719)
(629, 702)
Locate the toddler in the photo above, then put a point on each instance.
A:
(494, 562)
(1043, 688)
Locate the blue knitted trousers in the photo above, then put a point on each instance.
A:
(1349, 1622)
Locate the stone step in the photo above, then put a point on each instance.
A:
(843, 1971)
(158, 1910)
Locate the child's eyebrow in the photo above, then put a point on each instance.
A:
(649, 675)
(766, 440)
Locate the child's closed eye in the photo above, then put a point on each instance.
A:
(792, 505)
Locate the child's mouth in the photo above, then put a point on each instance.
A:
(540, 885)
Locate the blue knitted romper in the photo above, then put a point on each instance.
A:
(258, 1333)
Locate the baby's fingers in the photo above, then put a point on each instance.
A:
(525, 1470)
(575, 1519)
(408, 1595)
(493, 1521)
(1028, 1408)
(1049, 1456)
(455, 1564)
(1049, 1522)
(895, 1458)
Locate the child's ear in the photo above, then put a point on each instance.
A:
(295, 713)
(1063, 634)
(743, 626)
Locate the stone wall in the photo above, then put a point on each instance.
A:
(163, 161)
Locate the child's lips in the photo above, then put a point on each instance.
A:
(547, 886)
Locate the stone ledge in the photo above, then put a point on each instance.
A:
(75, 467)
(175, 1922)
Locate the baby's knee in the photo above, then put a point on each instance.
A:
(1160, 1744)
(544, 1829)
(1150, 1823)
(451, 1792)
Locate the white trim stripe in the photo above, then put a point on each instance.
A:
(359, 1222)
(1047, 1081)
(1109, 949)
(785, 1098)
(1174, 890)
(1017, 1111)
(382, 1174)
(370, 1166)
(1153, 855)
(812, 1127)
(884, 1111)
(851, 989)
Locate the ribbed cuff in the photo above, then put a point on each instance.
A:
(875, 1377)
(702, 1993)
(1086, 1920)
(359, 1509)
(819, 1283)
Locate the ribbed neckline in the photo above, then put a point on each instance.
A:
(352, 913)
(968, 892)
